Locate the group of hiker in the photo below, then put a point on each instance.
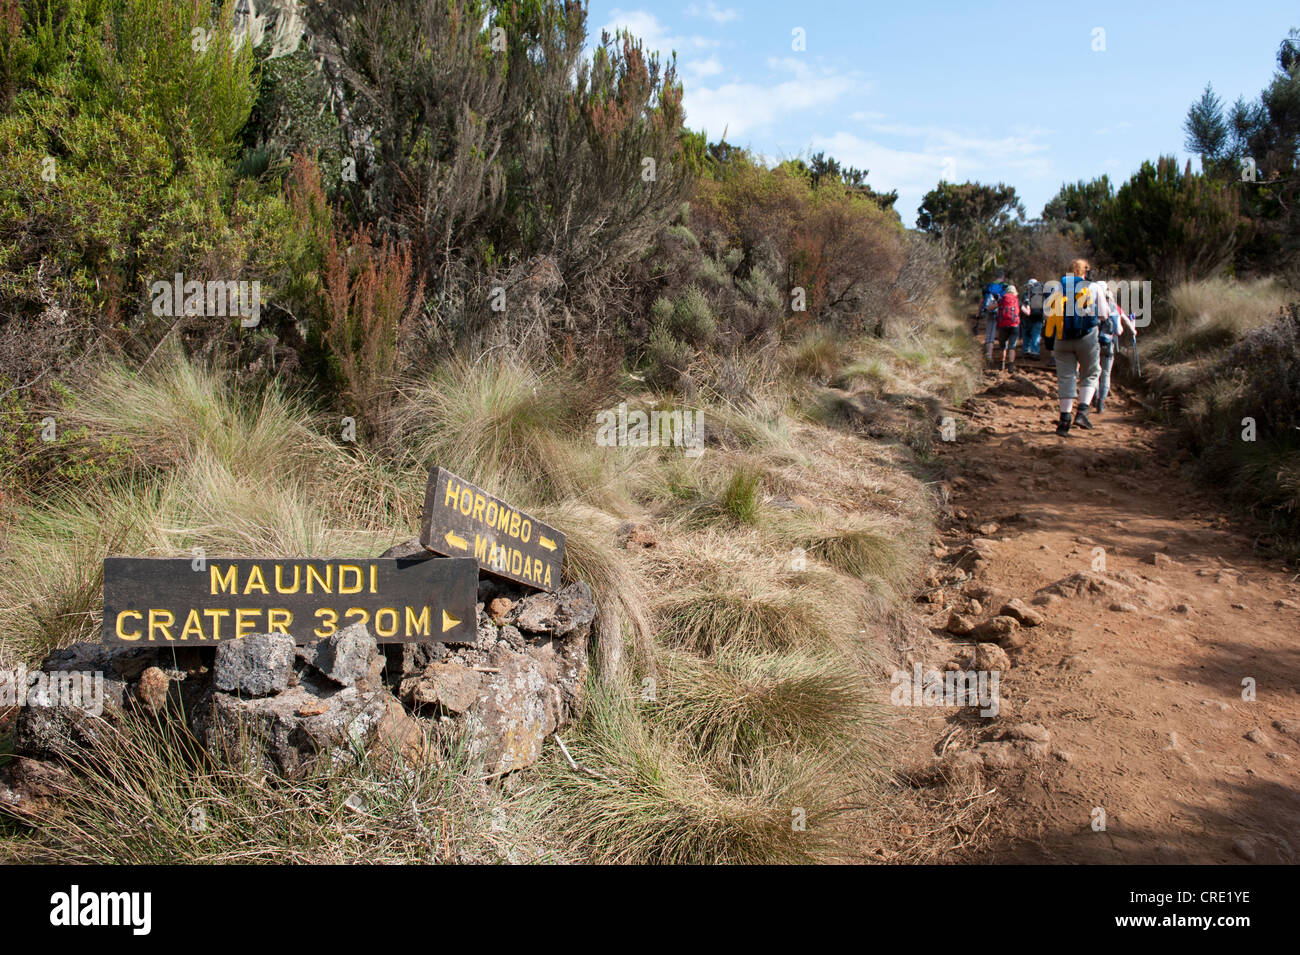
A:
(1079, 322)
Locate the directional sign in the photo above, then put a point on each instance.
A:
(203, 601)
(461, 520)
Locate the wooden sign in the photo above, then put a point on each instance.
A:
(203, 601)
(461, 520)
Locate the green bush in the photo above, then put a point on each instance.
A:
(692, 318)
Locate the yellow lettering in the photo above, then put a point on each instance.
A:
(345, 588)
(227, 583)
(526, 530)
(417, 625)
(243, 626)
(466, 501)
(516, 559)
(374, 578)
(480, 547)
(490, 517)
(331, 621)
(327, 582)
(514, 524)
(358, 611)
(453, 490)
(216, 616)
(278, 620)
(546, 582)
(122, 634)
(193, 625)
(279, 582)
(255, 579)
(380, 628)
(157, 622)
(480, 502)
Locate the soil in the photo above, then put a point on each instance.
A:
(1144, 680)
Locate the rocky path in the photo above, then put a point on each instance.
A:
(1162, 687)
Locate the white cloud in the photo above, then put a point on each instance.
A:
(713, 12)
(703, 68)
(744, 107)
(930, 153)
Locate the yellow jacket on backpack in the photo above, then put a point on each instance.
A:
(1054, 324)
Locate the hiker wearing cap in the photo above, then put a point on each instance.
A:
(1008, 328)
(990, 299)
(1109, 332)
(1073, 313)
(1032, 317)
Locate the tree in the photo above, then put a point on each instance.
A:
(1079, 207)
(1207, 130)
(1174, 225)
(973, 221)
(1263, 133)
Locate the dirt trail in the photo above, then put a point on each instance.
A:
(1138, 680)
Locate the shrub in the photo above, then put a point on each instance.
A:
(666, 358)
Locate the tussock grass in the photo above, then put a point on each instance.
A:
(149, 794)
(1206, 317)
(177, 411)
(742, 702)
(622, 629)
(854, 545)
(689, 494)
(864, 375)
(818, 356)
(637, 797)
(507, 426)
(721, 593)
(742, 497)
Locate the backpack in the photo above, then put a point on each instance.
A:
(992, 295)
(1036, 297)
(1009, 310)
(1106, 330)
(1072, 311)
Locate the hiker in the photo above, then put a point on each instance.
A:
(1032, 317)
(1074, 311)
(1008, 328)
(989, 300)
(1109, 332)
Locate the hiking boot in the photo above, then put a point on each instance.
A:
(1063, 428)
(1081, 419)
(1099, 405)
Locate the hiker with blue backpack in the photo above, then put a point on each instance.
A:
(1074, 312)
(1109, 332)
(1032, 318)
(990, 300)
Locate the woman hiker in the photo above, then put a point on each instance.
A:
(1074, 312)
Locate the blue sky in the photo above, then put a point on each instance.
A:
(917, 91)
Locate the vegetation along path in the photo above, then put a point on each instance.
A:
(1163, 671)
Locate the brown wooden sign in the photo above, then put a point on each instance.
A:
(203, 601)
(462, 520)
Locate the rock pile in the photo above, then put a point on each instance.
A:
(269, 703)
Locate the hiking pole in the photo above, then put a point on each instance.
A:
(1137, 365)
